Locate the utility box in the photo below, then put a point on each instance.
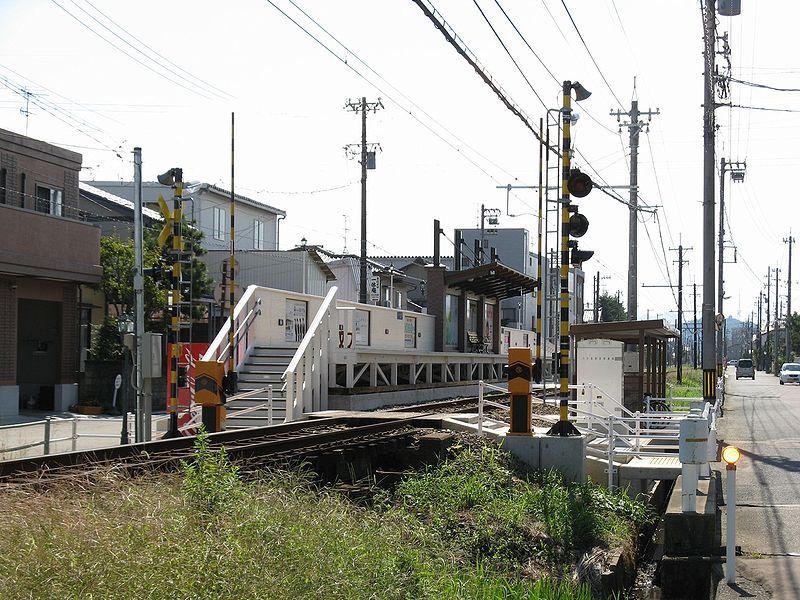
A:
(630, 362)
(152, 355)
(599, 362)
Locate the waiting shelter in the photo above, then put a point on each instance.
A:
(467, 305)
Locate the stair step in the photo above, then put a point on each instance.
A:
(269, 351)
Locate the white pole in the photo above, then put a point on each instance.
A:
(269, 404)
(730, 550)
(610, 452)
(74, 433)
(480, 407)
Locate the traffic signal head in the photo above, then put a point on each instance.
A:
(578, 225)
(579, 184)
(157, 271)
(576, 256)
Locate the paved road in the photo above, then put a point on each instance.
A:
(762, 418)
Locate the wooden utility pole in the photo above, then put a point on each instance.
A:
(679, 356)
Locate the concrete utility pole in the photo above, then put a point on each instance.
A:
(776, 366)
(634, 127)
(760, 362)
(789, 241)
(737, 171)
(768, 354)
(679, 356)
(694, 361)
(709, 358)
(138, 294)
(363, 107)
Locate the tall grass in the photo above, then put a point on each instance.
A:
(281, 537)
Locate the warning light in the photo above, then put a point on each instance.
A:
(731, 455)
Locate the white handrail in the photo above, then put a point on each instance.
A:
(306, 376)
(219, 347)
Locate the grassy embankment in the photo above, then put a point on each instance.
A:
(472, 528)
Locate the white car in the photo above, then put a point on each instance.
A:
(790, 373)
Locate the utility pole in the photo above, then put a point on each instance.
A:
(491, 214)
(634, 126)
(142, 426)
(679, 354)
(789, 241)
(694, 343)
(709, 358)
(767, 361)
(758, 329)
(737, 171)
(596, 299)
(777, 316)
(363, 107)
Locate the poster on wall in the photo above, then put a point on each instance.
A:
(410, 331)
(361, 327)
(451, 316)
(296, 313)
(488, 323)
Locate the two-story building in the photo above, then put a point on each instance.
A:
(46, 253)
(257, 224)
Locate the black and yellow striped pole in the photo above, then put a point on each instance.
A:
(563, 427)
(231, 376)
(175, 303)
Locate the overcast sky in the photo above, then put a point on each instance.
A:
(447, 141)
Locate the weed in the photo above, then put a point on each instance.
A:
(210, 481)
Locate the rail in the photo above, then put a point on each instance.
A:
(307, 374)
(247, 310)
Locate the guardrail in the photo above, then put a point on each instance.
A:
(307, 374)
(632, 434)
(245, 313)
(48, 440)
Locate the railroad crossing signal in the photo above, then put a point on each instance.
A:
(166, 231)
(519, 387)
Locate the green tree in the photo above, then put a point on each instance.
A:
(117, 260)
(611, 309)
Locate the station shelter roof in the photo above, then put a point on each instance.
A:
(494, 280)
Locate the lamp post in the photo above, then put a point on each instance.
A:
(124, 326)
(731, 455)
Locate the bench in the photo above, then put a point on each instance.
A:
(476, 344)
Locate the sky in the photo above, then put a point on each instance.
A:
(446, 140)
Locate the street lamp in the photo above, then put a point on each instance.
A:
(563, 427)
(731, 455)
(124, 326)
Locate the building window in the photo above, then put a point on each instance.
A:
(259, 227)
(49, 200)
(219, 223)
(22, 180)
(3, 182)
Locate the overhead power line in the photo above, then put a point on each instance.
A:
(580, 35)
(131, 56)
(764, 86)
(156, 52)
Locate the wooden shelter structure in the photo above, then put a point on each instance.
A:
(650, 338)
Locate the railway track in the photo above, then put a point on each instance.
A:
(300, 440)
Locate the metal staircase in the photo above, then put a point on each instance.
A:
(263, 367)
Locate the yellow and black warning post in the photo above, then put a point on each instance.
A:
(209, 394)
(519, 388)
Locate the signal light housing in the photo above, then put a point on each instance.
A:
(579, 184)
(578, 225)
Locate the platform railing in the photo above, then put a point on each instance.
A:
(247, 310)
(306, 376)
